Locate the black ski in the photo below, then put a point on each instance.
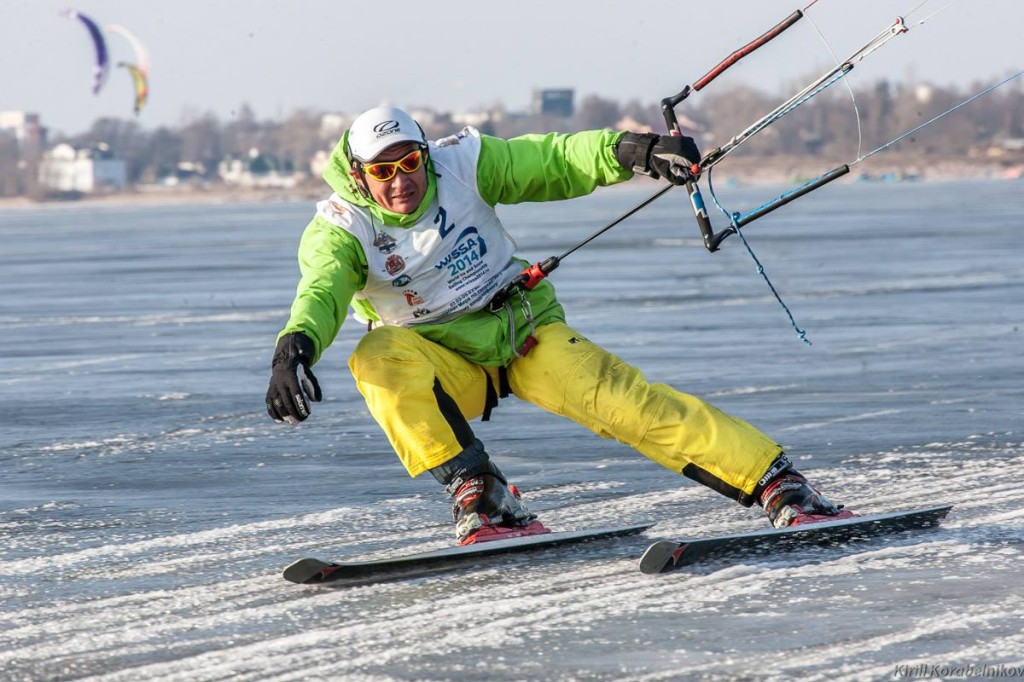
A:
(666, 555)
(315, 571)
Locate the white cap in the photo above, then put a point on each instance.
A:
(379, 128)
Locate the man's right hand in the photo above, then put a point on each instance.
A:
(292, 384)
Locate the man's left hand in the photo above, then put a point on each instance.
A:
(659, 156)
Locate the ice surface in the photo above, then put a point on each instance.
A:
(148, 505)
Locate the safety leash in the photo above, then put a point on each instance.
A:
(733, 218)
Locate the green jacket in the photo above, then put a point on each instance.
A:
(528, 168)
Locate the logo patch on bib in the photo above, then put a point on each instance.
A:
(394, 264)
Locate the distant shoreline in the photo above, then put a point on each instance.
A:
(745, 172)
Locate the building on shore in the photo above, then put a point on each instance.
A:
(68, 170)
(259, 170)
(27, 129)
(553, 102)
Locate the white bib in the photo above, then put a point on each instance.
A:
(450, 262)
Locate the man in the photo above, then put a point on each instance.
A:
(411, 241)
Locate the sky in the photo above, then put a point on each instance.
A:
(214, 56)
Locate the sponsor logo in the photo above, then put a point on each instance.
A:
(468, 245)
(385, 243)
(386, 128)
(451, 140)
(420, 312)
(781, 464)
(401, 281)
(394, 264)
(338, 209)
(413, 298)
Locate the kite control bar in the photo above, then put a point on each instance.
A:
(833, 75)
(533, 275)
(668, 110)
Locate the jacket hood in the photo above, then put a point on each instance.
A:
(336, 174)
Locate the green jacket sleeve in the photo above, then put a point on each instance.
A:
(547, 167)
(333, 268)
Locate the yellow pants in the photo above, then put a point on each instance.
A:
(423, 394)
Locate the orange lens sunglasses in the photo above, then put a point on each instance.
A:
(382, 171)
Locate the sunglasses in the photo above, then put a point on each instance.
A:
(382, 171)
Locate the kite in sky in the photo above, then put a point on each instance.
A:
(141, 55)
(139, 70)
(141, 83)
(102, 64)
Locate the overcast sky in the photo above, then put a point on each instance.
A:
(215, 55)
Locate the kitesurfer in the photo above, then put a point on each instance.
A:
(411, 241)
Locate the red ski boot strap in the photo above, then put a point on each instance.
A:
(804, 519)
(490, 533)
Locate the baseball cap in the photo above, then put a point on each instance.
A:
(375, 130)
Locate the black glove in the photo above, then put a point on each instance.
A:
(659, 156)
(291, 381)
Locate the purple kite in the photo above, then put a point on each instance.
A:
(102, 65)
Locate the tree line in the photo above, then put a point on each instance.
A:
(829, 127)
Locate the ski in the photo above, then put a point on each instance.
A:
(314, 571)
(666, 555)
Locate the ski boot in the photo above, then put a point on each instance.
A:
(789, 500)
(486, 507)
